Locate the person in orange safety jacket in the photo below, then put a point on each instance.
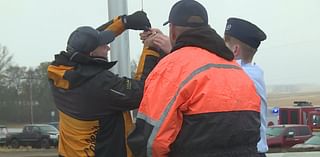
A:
(197, 101)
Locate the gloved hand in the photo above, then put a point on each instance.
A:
(136, 21)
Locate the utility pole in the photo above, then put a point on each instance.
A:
(120, 47)
(31, 102)
(31, 96)
(30, 79)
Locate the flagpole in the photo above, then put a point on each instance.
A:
(120, 47)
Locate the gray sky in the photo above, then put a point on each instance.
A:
(35, 30)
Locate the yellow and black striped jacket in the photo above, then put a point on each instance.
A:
(93, 102)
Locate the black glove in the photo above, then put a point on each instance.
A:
(136, 21)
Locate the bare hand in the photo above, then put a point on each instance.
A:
(148, 41)
(163, 42)
(155, 30)
(155, 38)
(144, 35)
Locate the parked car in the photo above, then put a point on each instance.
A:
(311, 143)
(316, 133)
(35, 135)
(55, 124)
(287, 135)
(3, 134)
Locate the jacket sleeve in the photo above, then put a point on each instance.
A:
(160, 116)
(115, 25)
(127, 93)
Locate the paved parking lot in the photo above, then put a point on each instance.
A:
(53, 153)
(295, 154)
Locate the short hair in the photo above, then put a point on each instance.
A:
(181, 29)
(245, 48)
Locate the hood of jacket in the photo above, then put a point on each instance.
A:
(70, 70)
(206, 38)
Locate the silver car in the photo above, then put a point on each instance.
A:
(311, 143)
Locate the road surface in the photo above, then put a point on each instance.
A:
(295, 154)
(53, 153)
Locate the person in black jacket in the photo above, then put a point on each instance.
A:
(93, 102)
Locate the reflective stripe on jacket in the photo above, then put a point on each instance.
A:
(197, 104)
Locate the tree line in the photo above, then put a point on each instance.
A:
(25, 96)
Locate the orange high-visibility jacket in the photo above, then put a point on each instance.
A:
(196, 103)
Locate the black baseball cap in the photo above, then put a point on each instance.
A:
(85, 39)
(245, 31)
(188, 13)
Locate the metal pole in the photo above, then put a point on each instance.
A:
(120, 47)
(31, 99)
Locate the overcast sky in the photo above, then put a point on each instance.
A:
(35, 30)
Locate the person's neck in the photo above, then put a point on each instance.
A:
(246, 61)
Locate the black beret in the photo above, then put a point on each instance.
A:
(245, 31)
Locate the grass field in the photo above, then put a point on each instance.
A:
(28, 152)
(286, 99)
(22, 149)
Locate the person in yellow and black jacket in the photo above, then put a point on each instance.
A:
(93, 102)
(197, 101)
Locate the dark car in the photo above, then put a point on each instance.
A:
(311, 143)
(287, 135)
(55, 124)
(35, 135)
(3, 134)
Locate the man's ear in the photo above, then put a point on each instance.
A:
(91, 53)
(173, 33)
(236, 50)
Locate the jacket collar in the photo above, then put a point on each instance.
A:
(206, 38)
(72, 59)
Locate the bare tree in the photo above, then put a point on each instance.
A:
(5, 61)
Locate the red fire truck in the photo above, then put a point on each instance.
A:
(303, 112)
